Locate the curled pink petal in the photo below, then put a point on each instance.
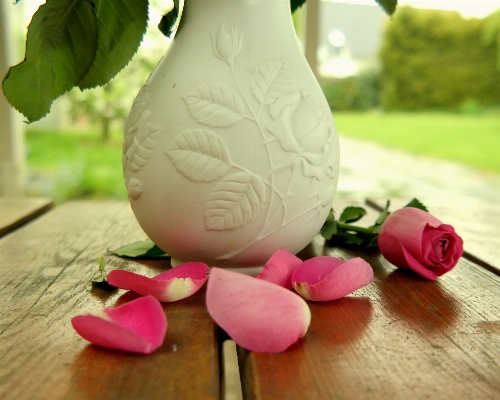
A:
(172, 285)
(326, 278)
(279, 268)
(138, 326)
(258, 315)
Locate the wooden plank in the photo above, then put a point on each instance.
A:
(475, 220)
(15, 212)
(45, 279)
(401, 337)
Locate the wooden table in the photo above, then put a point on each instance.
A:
(15, 212)
(401, 337)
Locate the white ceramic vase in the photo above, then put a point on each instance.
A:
(230, 150)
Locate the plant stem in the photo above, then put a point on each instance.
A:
(354, 228)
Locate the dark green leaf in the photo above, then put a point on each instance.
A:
(102, 283)
(294, 4)
(143, 250)
(352, 239)
(373, 242)
(348, 239)
(352, 214)
(389, 6)
(329, 228)
(121, 24)
(417, 204)
(383, 214)
(60, 48)
(168, 23)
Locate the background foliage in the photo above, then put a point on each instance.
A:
(355, 93)
(85, 43)
(74, 164)
(109, 105)
(438, 59)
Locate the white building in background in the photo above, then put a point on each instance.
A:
(350, 36)
(350, 31)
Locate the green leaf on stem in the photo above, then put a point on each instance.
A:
(350, 239)
(60, 47)
(102, 283)
(169, 23)
(329, 228)
(416, 204)
(121, 25)
(352, 214)
(144, 249)
(389, 6)
(294, 4)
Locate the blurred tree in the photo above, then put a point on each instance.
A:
(359, 92)
(111, 103)
(437, 59)
(491, 32)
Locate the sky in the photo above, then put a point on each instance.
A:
(468, 8)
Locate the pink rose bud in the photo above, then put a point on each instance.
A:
(412, 238)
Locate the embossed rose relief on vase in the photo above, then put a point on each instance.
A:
(139, 142)
(296, 147)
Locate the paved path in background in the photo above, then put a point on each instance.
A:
(372, 170)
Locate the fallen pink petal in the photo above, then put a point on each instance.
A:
(138, 326)
(172, 285)
(327, 278)
(258, 315)
(279, 268)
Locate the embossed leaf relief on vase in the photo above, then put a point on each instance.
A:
(270, 101)
(139, 143)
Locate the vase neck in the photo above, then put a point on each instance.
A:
(249, 2)
(272, 16)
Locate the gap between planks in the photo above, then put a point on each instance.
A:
(231, 382)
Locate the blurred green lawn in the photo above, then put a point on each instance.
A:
(74, 164)
(77, 164)
(468, 139)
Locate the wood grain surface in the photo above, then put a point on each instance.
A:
(401, 337)
(45, 275)
(15, 212)
(476, 220)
